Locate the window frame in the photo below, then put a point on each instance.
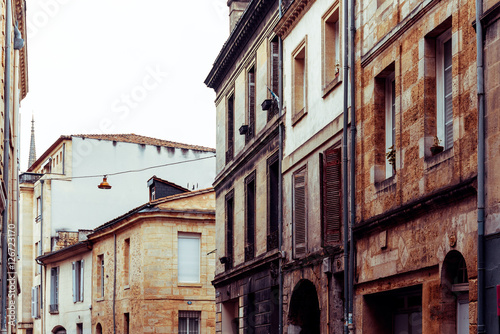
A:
(54, 290)
(444, 126)
(78, 280)
(299, 81)
(229, 232)
(390, 120)
(272, 202)
(181, 260)
(196, 315)
(230, 138)
(126, 262)
(100, 275)
(331, 24)
(250, 215)
(251, 101)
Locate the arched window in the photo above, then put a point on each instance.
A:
(98, 329)
(59, 330)
(455, 294)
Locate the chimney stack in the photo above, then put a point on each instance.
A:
(236, 8)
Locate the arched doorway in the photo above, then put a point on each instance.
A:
(59, 330)
(455, 294)
(98, 329)
(304, 310)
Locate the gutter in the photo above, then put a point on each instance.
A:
(480, 171)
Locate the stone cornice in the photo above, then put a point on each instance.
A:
(20, 17)
(292, 16)
(238, 39)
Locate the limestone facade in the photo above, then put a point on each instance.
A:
(243, 77)
(416, 219)
(138, 282)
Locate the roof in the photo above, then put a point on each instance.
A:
(149, 205)
(124, 138)
(238, 39)
(156, 178)
(66, 252)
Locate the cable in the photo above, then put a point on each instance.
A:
(129, 171)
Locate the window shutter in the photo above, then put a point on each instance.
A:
(57, 286)
(274, 68)
(53, 285)
(74, 282)
(299, 213)
(33, 302)
(332, 196)
(448, 105)
(81, 281)
(251, 104)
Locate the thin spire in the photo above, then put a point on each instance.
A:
(32, 145)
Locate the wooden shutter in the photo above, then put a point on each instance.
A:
(448, 105)
(251, 104)
(332, 196)
(81, 281)
(230, 128)
(274, 67)
(300, 213)
(73, 265)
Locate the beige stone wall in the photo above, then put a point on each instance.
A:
(153, 295)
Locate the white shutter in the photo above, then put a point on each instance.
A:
(81, 280)
(74, 282)
(32, 302)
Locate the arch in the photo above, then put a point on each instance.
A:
(455, 294)
(304, 308)
(59, 330)
(98, 328)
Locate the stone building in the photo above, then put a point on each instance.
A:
(67, 292)
(491, 26)
(416, 167)
(313, 96)
(57, 194)
(245, 77)
(153, 267)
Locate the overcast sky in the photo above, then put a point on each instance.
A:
(128, 66)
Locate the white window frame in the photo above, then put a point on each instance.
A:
(183, 259)
(390, 121)
(78, 270)
(441, 94)
(187, 315)
(54, 287)
(35, 302)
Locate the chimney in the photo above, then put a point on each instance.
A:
(236, 8)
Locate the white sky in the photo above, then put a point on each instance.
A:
(128, 66)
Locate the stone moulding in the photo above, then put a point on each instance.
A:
(419, 206)
(422, 9)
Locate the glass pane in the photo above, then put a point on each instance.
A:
(401, 324)
(193, 326)
(183, 326)
(416, 323)
(189, 259)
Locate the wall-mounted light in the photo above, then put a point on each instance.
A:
(104, 184)
(266, 105)
(243, 129)
(224, 259)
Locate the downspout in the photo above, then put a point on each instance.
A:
(280, 181)
(6, 162)
(345, 182)
(352, 82)
(114, 287)
(480, 170)
(41, 245)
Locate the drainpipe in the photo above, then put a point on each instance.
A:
(480, 170)
(280, 183)
(114, 288)
(6, 162)
(345, 181)
(41, 241)
(352, 82)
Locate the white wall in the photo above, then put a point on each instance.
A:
(79, 204)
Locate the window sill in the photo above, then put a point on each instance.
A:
(126, 287)
(298, 116)
(329, 87)
(100, 299)
(434, 161)
(386, 185)
(189, 285)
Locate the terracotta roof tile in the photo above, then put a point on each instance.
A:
(138, 139)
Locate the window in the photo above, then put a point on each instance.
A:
(54, 290)
(273, 176)
(229, 230)
(444, 121)
(38, 209)
(390, 124)
(78, 281)
(300, 212)
(299, 82)
(35, 302)
(274, 68)
(331, 195)
(100, 276)
(230, 129)
(189, 322)
(79, 328)
(331, 47)
(126, 323)
(250, 104)
(126, 262)
(189, 258)
(250, 212)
